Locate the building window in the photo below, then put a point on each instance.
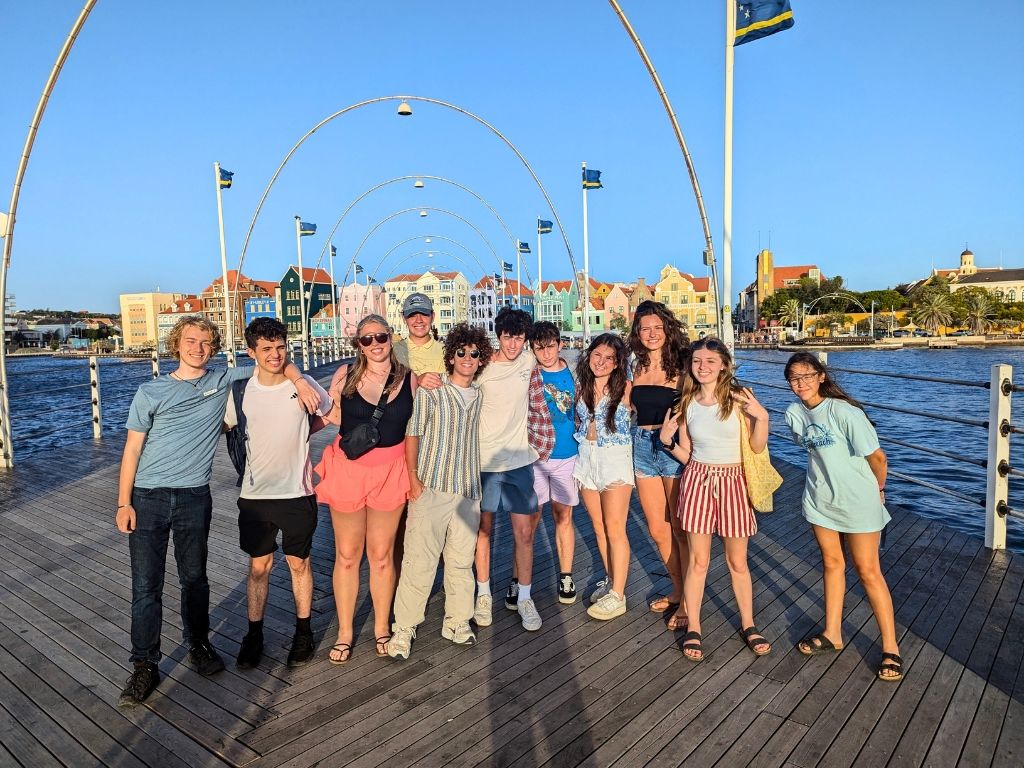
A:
(1011, 295)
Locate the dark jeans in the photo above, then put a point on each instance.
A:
(159, 512)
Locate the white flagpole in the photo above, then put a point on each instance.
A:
(726, 309)
(302, 293)
(229, 324)
(519, 278)
(586, 263)
(538, 294)
(334, 303)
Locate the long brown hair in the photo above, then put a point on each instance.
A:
(355, 374)
(828, 387)
(585, 387)
(724, 387)
(675, 354)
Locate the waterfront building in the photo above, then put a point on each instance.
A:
(689, 298)
(317, 286)
(483, 304)
(556, 302)
(262, 306)
(616, 304)
(355, 302)
(1005, 285)
(242, 289)
(322, 325)
(139, 314)
(595, 319)
(448, 291)
(186, 305)
(770, 279)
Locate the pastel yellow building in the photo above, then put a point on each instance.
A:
(448, 291)
(140, 314)
(689, 298)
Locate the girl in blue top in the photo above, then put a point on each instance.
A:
(844, 496)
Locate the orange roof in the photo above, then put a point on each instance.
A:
(178, 306)
(782, 274)
(558, 285)
(701, 284)
(267, 285)
(511, 286)
(324, 314)
(234, 279)
(310, 275)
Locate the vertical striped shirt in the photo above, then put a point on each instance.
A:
(449, 433)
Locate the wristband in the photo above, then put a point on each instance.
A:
(122, 506)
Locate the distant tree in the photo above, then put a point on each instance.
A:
(619, 323)
(883, 299)
(933, 310)
(979, 313)
(567, 325)
(789, 313)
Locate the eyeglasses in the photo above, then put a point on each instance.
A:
(369, 338)
(712, 344)
(805, 378)
(474, 353)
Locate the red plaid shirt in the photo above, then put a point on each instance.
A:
(539, 428)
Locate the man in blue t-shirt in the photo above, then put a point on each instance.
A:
(164, 490)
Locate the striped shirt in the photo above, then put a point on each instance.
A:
(449, 433)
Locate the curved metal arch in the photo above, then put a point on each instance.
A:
(380, 262)
(411, 256)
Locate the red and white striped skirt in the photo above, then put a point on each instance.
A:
(713, 499)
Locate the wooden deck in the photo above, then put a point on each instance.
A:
(578, 692)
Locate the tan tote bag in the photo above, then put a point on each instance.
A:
(761, 478)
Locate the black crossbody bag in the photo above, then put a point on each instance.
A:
(365, 437)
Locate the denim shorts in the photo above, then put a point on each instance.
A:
(650, 459)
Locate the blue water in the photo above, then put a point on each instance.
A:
(38, 427)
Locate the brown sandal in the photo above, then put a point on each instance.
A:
(382, 645)
(344, 653)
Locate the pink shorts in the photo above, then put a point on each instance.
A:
(553, 481)
(713, 499)
(377, 480)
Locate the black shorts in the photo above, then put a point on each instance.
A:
(259, 520)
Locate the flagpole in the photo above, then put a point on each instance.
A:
(334, 303)
(586, 263)
(540, 283)
(302, 293)
(229, 324)
(519, 275)
(725, 310)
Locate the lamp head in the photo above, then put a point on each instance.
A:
(422, 214)
(419, 184)
(404, 109)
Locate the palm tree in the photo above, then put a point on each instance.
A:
(789, 313)
(979, 313)
(934, 310)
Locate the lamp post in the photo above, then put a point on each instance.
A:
(872, 326)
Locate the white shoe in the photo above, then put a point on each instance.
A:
(400, 644)
(528, 613)
(482, 612)
(602, 588)
(460, 634)
(608, 607)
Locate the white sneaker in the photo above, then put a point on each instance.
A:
(460, 634)
(400, 644)
(602, 589)
(482, 612)
(528, 613)
(608, 607)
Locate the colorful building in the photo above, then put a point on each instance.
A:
(688, 297)
(355, 302)
(448, 291)
(186, 305)
(317, 285)
(557, 300)
(769, 280)
(139, 315)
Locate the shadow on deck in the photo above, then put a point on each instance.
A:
(578, 692)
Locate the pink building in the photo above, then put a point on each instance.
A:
(356, 301)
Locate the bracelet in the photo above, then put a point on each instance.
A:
(122, 506)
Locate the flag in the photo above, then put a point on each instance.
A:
(225, 179)
(543, 227)
(591, 179)
(359, 270)
(506, 266)
(306, 229)
(497, 278)
(334, 251)
(759, 18)
(524, 247)
(372, 279)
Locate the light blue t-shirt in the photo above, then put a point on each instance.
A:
(841, 492)
(182, 421)
(560, 394)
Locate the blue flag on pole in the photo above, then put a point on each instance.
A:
(334, 251)
(759, 18)
(359, 270)
(506, 266)
(524, 247)
(306, 229)
(497, 278)
(543, 227)
(225, 179)
(591, 179)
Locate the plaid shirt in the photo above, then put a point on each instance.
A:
(540, 430)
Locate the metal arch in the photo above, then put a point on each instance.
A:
(380, 262)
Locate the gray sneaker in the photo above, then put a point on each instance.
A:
(460, 634)
(482, 612)
(400, 644)
(601, 589)
(608, 607)
(528, 613)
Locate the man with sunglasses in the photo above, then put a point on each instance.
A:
(444, 494)
(419, 351)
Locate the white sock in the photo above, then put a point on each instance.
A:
(483, 587)
(524, 591)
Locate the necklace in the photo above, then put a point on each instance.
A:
(195, 383)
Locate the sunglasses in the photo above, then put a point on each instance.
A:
(369, 338)
(474, 353)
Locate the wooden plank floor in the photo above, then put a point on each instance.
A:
(578, 692)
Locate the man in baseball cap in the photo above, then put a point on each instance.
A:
(419, 351)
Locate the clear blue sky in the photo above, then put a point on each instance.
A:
(873, 139)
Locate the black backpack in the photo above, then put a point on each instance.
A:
(235, 436)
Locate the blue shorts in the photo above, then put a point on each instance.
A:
(650, 459)
(509, 491)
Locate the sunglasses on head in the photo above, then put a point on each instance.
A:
(369, 338)
(474, 353)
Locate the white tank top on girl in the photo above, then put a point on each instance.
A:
(714, 441)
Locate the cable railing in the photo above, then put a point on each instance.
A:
(998, 427)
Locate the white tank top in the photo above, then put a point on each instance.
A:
(714, 441)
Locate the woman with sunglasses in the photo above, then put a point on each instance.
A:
(367, 494)
(660, 352)
(844, 498)
(713, 498)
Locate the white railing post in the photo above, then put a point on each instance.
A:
(155, 359)
(997, 480)
(97, 407)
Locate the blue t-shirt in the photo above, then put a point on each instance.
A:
(559, 394)
(182, 421)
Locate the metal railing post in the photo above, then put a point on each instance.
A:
(155, 359)
(997, 471)
(97, 407)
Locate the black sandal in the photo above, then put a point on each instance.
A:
(749, 636)
(692, 642)
(344, 653)
(891, 662)
(817, 644)
(382, 642)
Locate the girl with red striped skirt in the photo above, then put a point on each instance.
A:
(705, 435)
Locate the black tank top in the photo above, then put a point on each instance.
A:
(355, 410)
(652, 402)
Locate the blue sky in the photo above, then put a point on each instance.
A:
(873, 139)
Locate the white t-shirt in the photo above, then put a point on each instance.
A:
(277, 462)
(504, 444)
